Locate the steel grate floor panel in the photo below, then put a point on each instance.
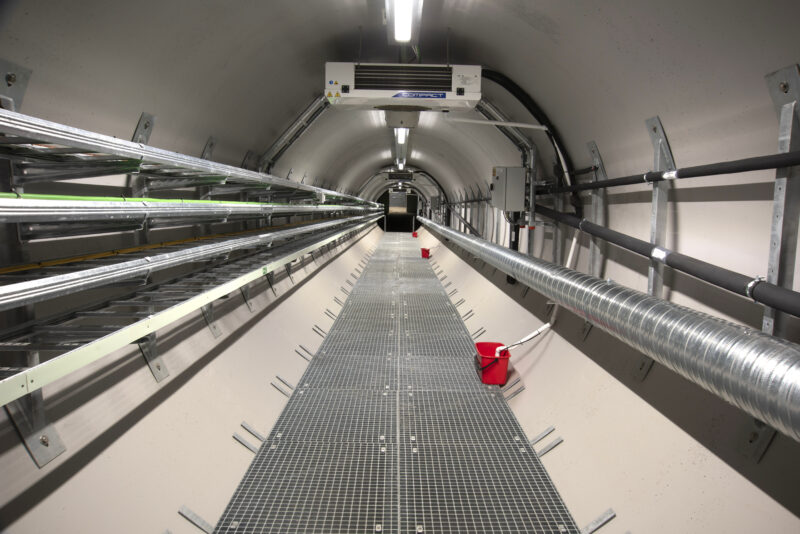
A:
(390, 428)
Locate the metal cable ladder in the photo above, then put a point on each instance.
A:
(391, 430)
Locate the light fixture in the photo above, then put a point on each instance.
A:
(402, 21)
(401, 134)
(401, 166)
(403, 10)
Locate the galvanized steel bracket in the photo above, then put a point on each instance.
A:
(149, 349)
(662, 161)
(208, 315)
(13, 84)
(38, 434)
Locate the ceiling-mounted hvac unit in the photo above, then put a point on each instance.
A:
(403, 87)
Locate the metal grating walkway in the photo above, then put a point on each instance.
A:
(390, 429)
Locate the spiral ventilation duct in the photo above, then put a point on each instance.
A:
(758, 373)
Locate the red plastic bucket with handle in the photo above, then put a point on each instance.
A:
(413, 234)
(426, 252)
(493, 369)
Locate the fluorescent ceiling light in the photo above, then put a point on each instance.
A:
(401, 134)
(403, 15)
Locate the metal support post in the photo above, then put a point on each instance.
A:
(784, 88)
(662, 161)
(596, 245)
(531, 208)
(558, 234)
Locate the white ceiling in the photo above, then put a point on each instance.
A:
(241, 71)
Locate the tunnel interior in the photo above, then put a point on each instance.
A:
(250, 254)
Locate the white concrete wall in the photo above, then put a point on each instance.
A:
(619, 451)
(138, 450)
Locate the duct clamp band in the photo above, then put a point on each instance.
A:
(750, 286)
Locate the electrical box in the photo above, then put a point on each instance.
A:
(508, 188)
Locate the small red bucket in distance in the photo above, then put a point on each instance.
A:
(413, 234)
(494, 370)
(426, 252)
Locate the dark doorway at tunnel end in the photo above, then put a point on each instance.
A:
(400, 210)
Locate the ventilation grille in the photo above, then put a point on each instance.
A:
(403, 77)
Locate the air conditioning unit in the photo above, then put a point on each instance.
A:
(403, 87)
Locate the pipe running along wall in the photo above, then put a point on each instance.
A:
(757, 289)
(758, 373)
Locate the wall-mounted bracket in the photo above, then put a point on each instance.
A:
(245, 291)
(208, 315)
(292, 133)
(250, 161)
(38, 434)
(208, 149)
(288, 268)
(662, 161)
(270, 276)
(784, 88)
(598, 523)
(756, 439)
(149, 349)
(144, 128)
(196, 520)
(550, 446)
(598, 213)
(141, 134)
(13, 84)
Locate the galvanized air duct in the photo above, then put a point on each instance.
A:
(29, 292)
(758, 373)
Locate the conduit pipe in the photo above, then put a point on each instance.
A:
(758, 289)
(29, 292)
(755, 372)
(759, 163)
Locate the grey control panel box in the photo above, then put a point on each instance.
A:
(508, 188)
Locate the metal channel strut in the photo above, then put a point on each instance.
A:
(756, 372)
(390, 428)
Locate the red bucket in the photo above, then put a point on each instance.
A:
(426, 252)
(493, 369)
(413, 234)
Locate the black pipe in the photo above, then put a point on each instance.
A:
(585, 170)
(777, 297)
(759, 163)
(541, 117)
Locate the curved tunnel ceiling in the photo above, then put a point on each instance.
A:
(242, 72)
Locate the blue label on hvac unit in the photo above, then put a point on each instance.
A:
(419, 94)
